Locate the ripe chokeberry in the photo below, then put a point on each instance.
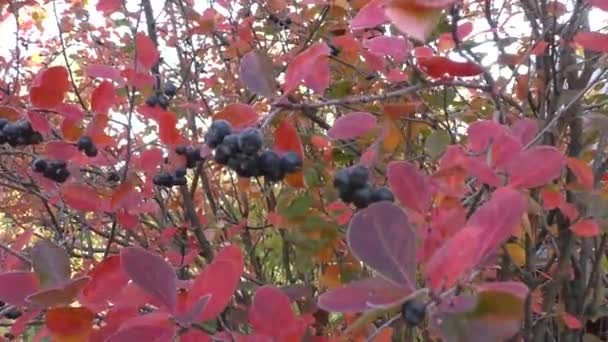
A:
(250, 141)
(216, 132)
(170, 89)
(163, 179)
(152, 101)
(180, 172)
(39, 165)
(113, 177)
(413, 312)
(163, 101)
(179, 180)
(382, 194)
(84, 143)
(222, 154)
(358, 176)
(291, 162)
(231, 141)
(362, 197)
(91, 152)
(13, 314)
(181, 150)
(269, 163)
(342, 179)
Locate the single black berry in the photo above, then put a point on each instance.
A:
(362, 197)
(179, 181)
(382, 194)
(163, 101)
(232, 142)
(216, 132)
(10, 129)
(244, 165)
(193, 156)
(269, 163)
(91, 151)
(163, 179)
(273, 18)
(222, 154)
(291, 162)
(413, 312)
(84, 143)
(342, 179)
(346, 194)
(250, 141)
(287, 21)
(56, 171)
(35, 138)
(3, 122)
(152, 101)
(39, 165)
(13, 314)
(359, 175)
(113, 177)
(180, 172)
(170, 89)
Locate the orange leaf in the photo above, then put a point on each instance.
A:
(582, 171)
(239, 115)
(331, 277)
(68, 324)
(50, 87)
(400, 109)
(412, 19)
(586, 228)
(393, 137)
(9, 113)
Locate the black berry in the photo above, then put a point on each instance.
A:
(163, 101)
(222, 154)
(216, 133)
(84, 143)
(231, 141)
(56, 171)
(170, 89)
(91, 152)
(180, 172)
(382, 194)
(244, 165)
(291, 162)
(413, 312)
(358, 177)
(10, 129)
(113, 177)
(181, 150)
(179, 181)
(342, 179)
(35, 138)
(163, 179)
(39, 165)
(13, 314)
(193, 156)
(346, 194)
(269, 163)
(250, 141)
(3, 122)
(362, 197)
(152, 101)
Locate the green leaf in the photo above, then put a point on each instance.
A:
(340, 89)
(298, 207)
(436, 143)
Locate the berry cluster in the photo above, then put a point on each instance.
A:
(18, 133)
(413, 312)
(167, 179)
(192, 154)
(14, 313)
(162, 98)
(284, 23)
(85, 143)
(352, 183)
(242, 153)
(53, 170)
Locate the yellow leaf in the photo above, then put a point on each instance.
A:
(331, 277)
(517, 254)
(393, 137)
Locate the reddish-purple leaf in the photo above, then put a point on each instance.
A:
(592, 41)
(439, 66)
(412, 188)
(257, 72)
(352, 125)
(59, 150)
(601, 4)
(151, 159)
(571, 321)
(270, 312)
(498, 217)
(363, 295)
(39, 123)
(63, 294)
(525, 130)
(147, 54)
(107, 279)
(103, 98)
(483, 133)
(307, 67)
(454, 258)
(16, 286)
(151, 273)
(81, 197)
(395, 47)
(187, 318)
(104, 71)
(107, 7)
(586, 228)
(51, 263)
(381, 237)
(527, 171)
(369, 16)
(149, 333)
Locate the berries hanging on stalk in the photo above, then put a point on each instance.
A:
(54, 170)
(352, 184)
(85, 143)
(243, 153)
(18, 133)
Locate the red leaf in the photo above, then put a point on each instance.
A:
(270, 312)
(60, 150)
(107, 279)
(151, 159)
(39, 122)
(287, 139)
(108, 6)
(525, 130)
(63, 294)
(525, 171)
(104, 71)
(381, 237)
(395, 47)
(103, 98)
(498, 217)
(70, 323)
(194, 335)
(81, 197)
(452, 260)
(147, 55)
(411, 187)
(220, 279)
(438, 66)
(551, 198)
(70, 111)
(306, 67)
(167, 129)
(601, 4)
(363, 295)
(592, 41)
(151, 273)
(582, 171)
(16, 286)
(149, 333)
(571, 321)
(239, 115)
(50, 87)
(352, 125)
(369, 16)
(586, 228)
